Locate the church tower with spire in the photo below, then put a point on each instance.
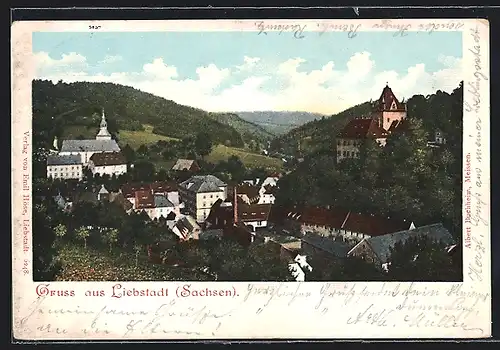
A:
(103, 132)
(388, 109)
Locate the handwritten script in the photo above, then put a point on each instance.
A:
(479, 213)
(385, 305)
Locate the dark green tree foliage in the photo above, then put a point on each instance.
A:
(45, 260)
(405, 179)
(347, 269)
(143, 170)
(203, 144)
(422, 258)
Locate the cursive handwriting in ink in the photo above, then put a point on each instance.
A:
(371, 317)
(296, 29)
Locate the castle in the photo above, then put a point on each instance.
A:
(388, 115)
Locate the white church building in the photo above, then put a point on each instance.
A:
(88, 150)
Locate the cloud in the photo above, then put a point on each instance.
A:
(111, 59)
(248, 63)
(328, 89)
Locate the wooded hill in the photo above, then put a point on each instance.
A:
(58, 106)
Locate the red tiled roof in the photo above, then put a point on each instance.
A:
(252, 192)
(398, 126)
(128, 190)
(108, 158)
(163, 186)
(254, 212)
(144, 199)
(386, 99)
(332, 217)
(361, 129)
(269, 189)
(374, 225)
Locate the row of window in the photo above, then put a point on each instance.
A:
(73, 175)
(62, 168)
(211, 196)
(349, 143)
(348, 154)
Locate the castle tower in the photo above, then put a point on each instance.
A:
(388, 109)
(103, 132)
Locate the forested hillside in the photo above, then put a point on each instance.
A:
(58, 106)
(407, 178)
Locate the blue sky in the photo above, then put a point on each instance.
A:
(416, 63)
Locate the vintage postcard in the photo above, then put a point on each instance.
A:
(251, 179)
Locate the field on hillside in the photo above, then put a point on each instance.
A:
(251, 160)
(80, 264)
(219, 152)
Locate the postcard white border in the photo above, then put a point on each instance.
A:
(262, 310)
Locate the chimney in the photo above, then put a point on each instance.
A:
(235, 205)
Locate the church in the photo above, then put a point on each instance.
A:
(87, 152)
(387, 116)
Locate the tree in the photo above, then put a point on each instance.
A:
(137, 250)
(111, 237)
(203, 144)
(46, 264)
(142, 150)
(83, 233)
(60, 231)
(129, 153)
(422, 259)
(144, 170)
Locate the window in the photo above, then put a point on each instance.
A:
(338, 142)
(344, 154)
(388, 120)
(204, 196)
(211, 196)
(339, 153)
(345, 143)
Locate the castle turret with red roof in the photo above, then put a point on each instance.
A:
(389, 109)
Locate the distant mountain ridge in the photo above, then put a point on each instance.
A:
(279, 122)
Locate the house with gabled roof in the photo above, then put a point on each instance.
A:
(377, 249)
(186, 228)
(199, 193)
(186, 165)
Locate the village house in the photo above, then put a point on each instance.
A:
(248, 193)
(378, 249)
(64, 167)
(267, 194)
(108, 163)
(199, 193)
(162, 199)
(253, 216)
(186, 228)
(186, 165)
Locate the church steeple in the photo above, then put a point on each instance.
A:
(103, 132)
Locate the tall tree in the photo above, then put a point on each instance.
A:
(46, 264)
(203, 144)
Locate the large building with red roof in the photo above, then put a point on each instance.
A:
(387, 116)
